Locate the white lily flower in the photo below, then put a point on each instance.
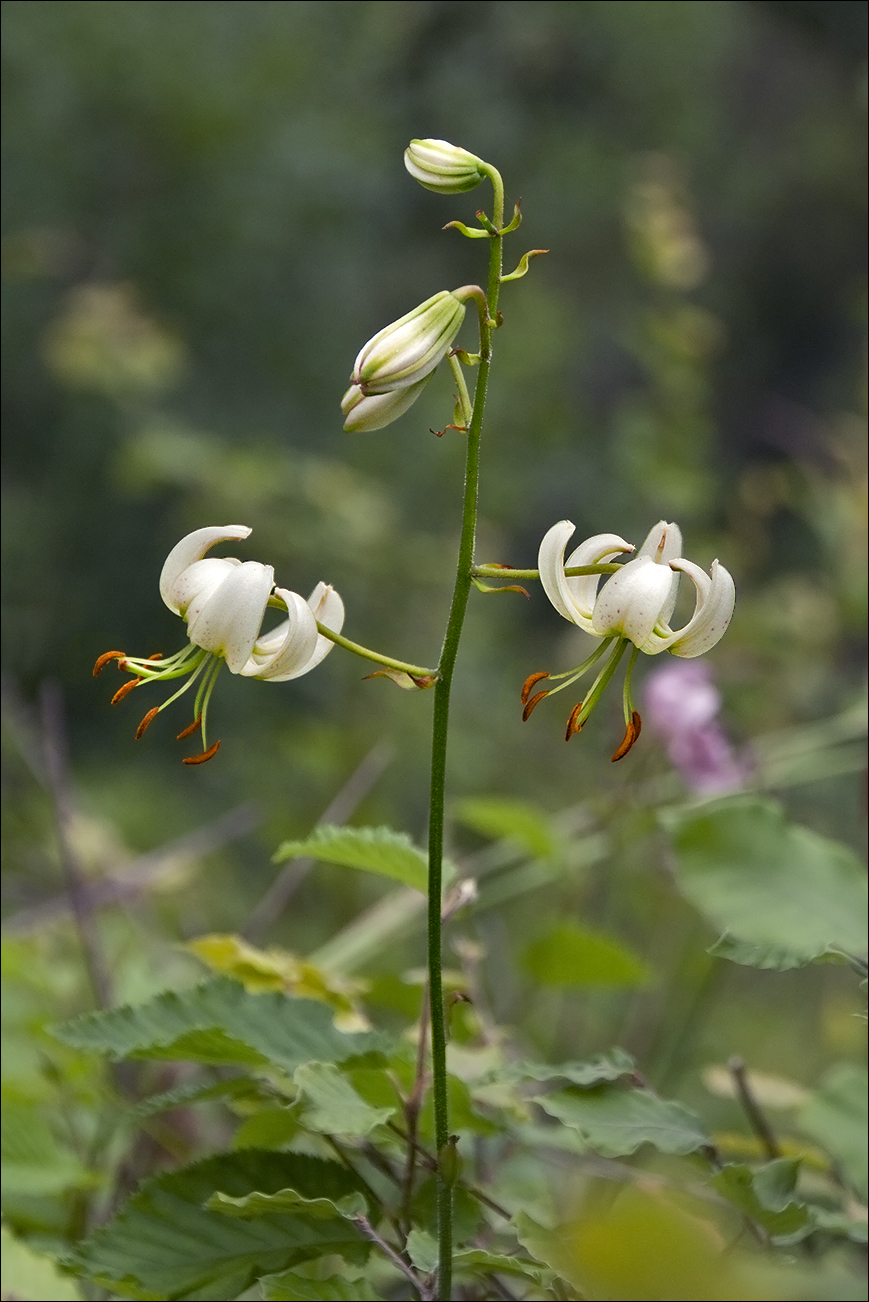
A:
(405, 352)
(223, 602)
(637, 602)
(635, 605)
(442, 167)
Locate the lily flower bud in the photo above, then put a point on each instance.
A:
(442, 167)
(366, 413)
(407, 351)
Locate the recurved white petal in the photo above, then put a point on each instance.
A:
(716, 597)
(631, 602)
(196, 582)
(664, 544)
(288, 650)
(227, 619)
(574, 597)
(191, 549)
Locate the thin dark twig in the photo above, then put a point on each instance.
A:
(376, 1200)
(759, 1124)
(291, 876)
(370, 1233)
(57, 772)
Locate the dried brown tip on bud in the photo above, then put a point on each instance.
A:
(535, 700)
(531, 679)
(149, 717)
(572, 725)
(206, 755)
(106, 657)
(125, 690)
(190, 729)
(632, 732)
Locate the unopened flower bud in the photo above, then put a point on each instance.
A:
(442, 167)
(408, 351)
(374, 411)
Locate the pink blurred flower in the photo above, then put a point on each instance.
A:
(682, 704)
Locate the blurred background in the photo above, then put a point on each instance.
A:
(206, 215)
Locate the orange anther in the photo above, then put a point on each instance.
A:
(206, 755)
(572, 725)
(158, 655)
(106, 657)
(125, 690)
(535, 700)
(529, 683)
(190, 729)
(632, 732)
(152, 714)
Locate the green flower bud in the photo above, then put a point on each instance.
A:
(443, 167)
(408, 351)
(366, 412)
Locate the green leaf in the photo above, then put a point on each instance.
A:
(610, 1066)
(197, 1091)
(517, 820)
(34, 1162)
(32, 1275)
(568, 956)
(765, 1195)
(477, 1262)
(269, 1128)
(836, 1118)
(333, 1105)
(288, 1202)
(164, 1243)
(219, 1022)
(794, 895)
(290, 1286)
(372, 849)
(422, 1248)
(614, 1121)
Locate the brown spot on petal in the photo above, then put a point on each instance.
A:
(190, 729)
(529, 684)
(149, 717)
(572, 725)
(106, 657)
(530, 705)
(632, 732)
(125, 690)
(206, 755)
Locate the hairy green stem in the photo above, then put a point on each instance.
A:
(440, 726)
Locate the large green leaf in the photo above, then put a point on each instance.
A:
(288, 1202)
(518, 820)
(615, 1121)
(603, 1067)
(766, 1195)
(333, 1105)
(219, 1022)
(569, 956)
(836, 1118)
(793, 895)
(372, 849)
(291, 1286)
(165, 1243)
(32, 1275)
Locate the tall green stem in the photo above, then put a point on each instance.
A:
(440, 724)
